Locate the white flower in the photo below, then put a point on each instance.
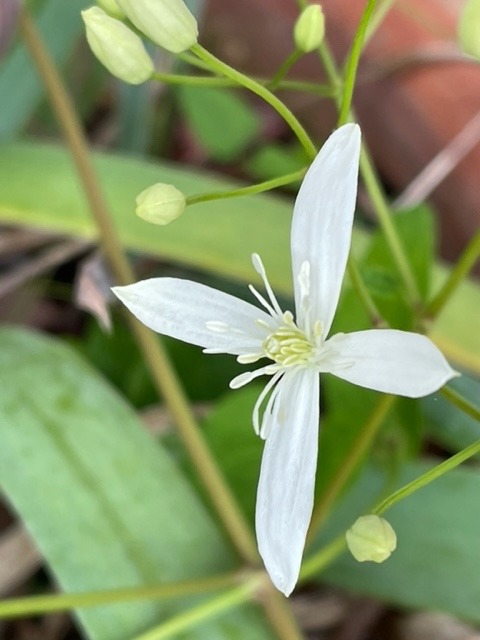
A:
(296, 347)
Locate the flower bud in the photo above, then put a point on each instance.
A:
(112, 8)
(117, 47)
(167, 22)
(309, 29)
(371, 539)
(160, 204)
(469, 28)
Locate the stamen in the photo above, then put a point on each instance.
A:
(260, 269)
(249, 358)
(262, 300)
(269, 409)
(256, 409)
(248, 376)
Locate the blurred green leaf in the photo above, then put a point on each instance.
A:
(436, 562)
(237, 448)
(415, 229)
(273, 160)
(222, 121)
(97, 494)
(38, 187)
(117, 357)
(20, 88)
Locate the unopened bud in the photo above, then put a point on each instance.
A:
(309, 29)
(167, 22)
(371, 539)
(117, 47)
(160, 204)
(469, 28)
(112, 8)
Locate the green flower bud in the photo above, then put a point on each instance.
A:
(167, 22)
(117, 47)
(469, 28)
(160, 204)
(309, 29)
(112, 8)
(371, 539)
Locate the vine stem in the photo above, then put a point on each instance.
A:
(427, 478)
(349, 464)
(40, 605)
(284, 68)
(461, 403)
(250, 190)
(252, 85)
(460, 271)
(157, 359)
(375, 192)
(218, 83)
(200, 613)
(352, 63)
(153, 351)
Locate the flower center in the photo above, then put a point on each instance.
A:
(288, 345)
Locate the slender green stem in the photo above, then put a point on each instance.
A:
(250, 190)
(352, 63)
(216, 82)
(461, 403)
(349, 464)
(375, 192)
(460, 271)
(202, 612)
(284, 68)
(192, 81)
(221, 67)
(384, 216)
(318, 561)
(292, 85)
(366, 299)
(162, 371)
(163, 374)
(40, 605)
(427, 477)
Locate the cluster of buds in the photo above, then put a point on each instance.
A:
(168, 23)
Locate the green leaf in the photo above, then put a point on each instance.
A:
(20, 86)
(103, 502)
(221, 120)
(38, 187)
(416, 231)
(436, 562)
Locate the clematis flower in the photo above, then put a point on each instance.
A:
(294, 348)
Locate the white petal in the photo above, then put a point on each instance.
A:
(287, 477)
(399, 362)
(181, 309)
(322, 222)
